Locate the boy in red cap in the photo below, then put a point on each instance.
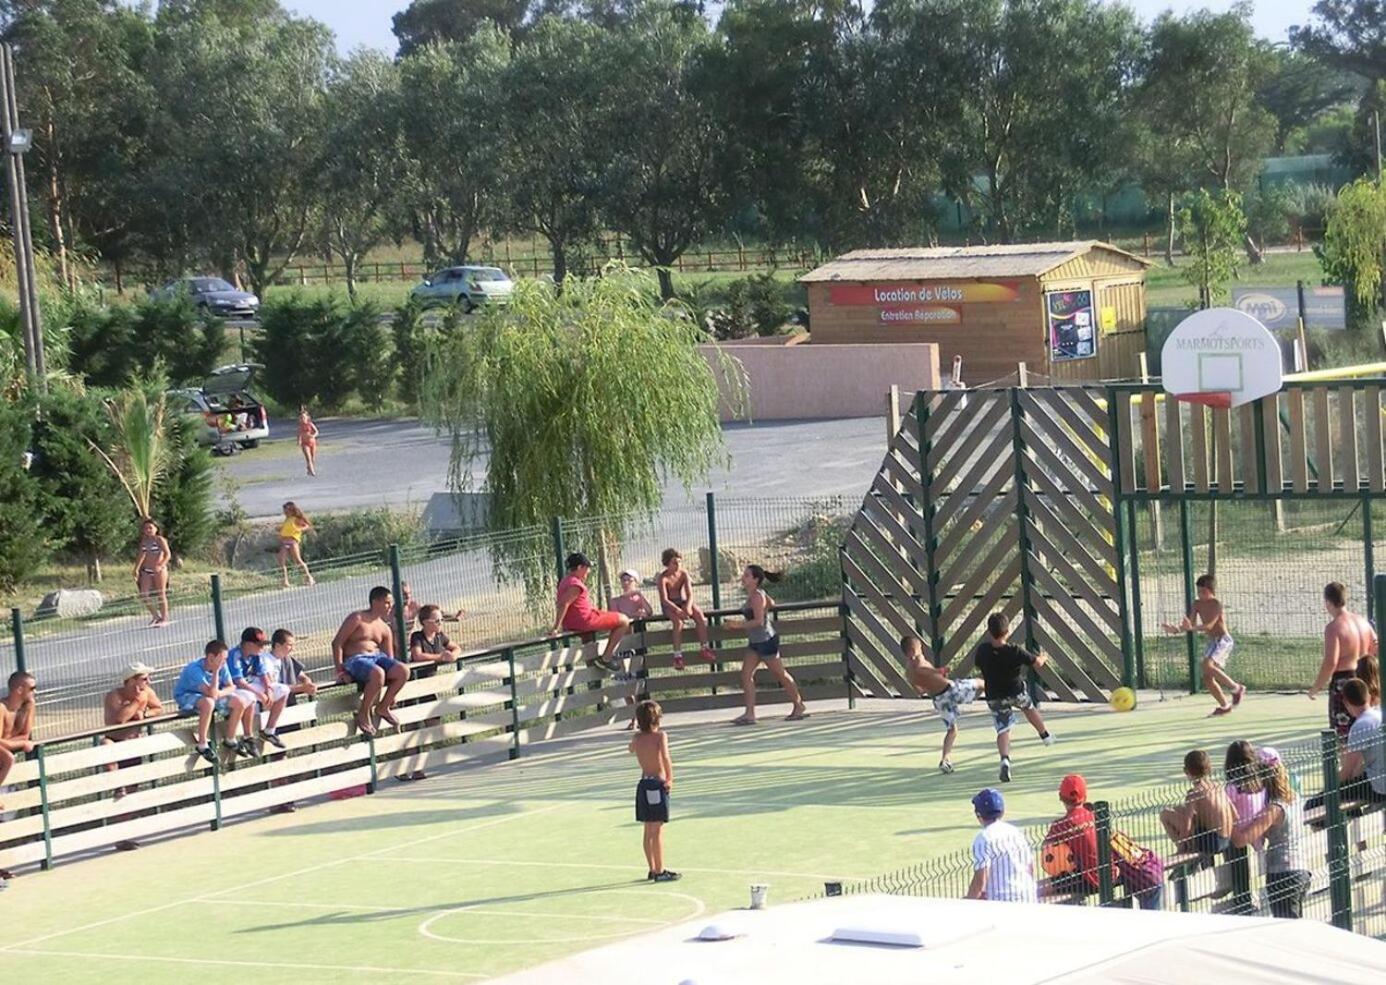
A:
(1070, 852)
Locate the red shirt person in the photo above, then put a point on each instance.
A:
(574, 612)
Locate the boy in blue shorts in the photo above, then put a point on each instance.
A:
(1207, 617)
(947, 695)
(205, 688)
(1003, 666)
(651, 748)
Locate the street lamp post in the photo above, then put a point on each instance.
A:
(16, 142)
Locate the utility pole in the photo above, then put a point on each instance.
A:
(16, 142)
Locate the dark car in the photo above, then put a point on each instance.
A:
(214, 295)
(231, 416)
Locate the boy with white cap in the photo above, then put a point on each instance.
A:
(132, 702)
(1002, 860)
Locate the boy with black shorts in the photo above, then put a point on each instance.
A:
(651, 748)
(947, 695)
(1003, 667)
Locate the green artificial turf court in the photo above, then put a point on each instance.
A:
(477, 872)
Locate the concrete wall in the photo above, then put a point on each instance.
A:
(797, 382)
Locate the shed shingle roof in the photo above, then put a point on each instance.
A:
(930, 263)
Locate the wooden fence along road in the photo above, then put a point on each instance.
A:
(487, 707)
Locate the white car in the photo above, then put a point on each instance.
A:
(468, 287)
(230, 416)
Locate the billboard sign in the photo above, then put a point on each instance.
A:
(1278, 307)
(1072, 325)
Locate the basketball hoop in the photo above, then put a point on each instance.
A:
(1213, 398)
(1220, 358)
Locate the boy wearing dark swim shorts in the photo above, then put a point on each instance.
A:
(651, 748)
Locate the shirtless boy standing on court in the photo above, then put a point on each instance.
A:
(947, 695)
(651, 748)
(361, 651)
(1207, 617)
(1347, 638)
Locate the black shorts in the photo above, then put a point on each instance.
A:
(766, 649)
(651, 800)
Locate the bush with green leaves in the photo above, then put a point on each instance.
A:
(110, 346)
(340, 535)
(85, 511)
(323, 353)
(23, 545)
(183, 497)
(412, 334)
(754, 305)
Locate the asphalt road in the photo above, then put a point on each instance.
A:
(400, 464)
(403, 463)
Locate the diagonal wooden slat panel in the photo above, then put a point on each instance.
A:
(867, 662)
(1072, 659)
(888, 670)
(957, 636)
(946, 462)
(995, 456)
(1079, 546)
(1074, 468)
(906, 478)
(1065, 483)
(905, 512)
(1074, 518)
(987, 567)
(1057, 415)
(940, 408)
(1079, 583)
(950, 529)
(910, 577)
(887, 533)
(1084, 401)
(1053, 673)
(1054, 599)
(862, 566)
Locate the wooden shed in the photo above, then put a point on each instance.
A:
(1072, 312)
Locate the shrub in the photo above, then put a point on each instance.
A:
(815, 570)
(22, 544)
(183, 498)
(363, 531)
(108, 347)
(755, 305)
(323, 353)
(412, 336)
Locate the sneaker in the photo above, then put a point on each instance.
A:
(945, 767)
(678, 661)
(1238, 694)
(231, 745)
(283, 809)
(246, 748)
(1221, 710)
(126, 846)
(206, 753)
(1047, 738)
(1005, 771)
(419, 775)
(650, 876)
(273, 740)
(708, 654)
(667, 876)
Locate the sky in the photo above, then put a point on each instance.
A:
(367, 22)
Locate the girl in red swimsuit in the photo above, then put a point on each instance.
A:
(308, 440)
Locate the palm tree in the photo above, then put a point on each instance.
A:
(140, 453)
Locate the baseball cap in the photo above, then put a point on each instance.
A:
(989, 803)
(254, 634)
(631, 573)
(1073, 789)
(136, 669)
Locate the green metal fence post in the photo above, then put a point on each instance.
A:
(1022, 516)
(1186, 545)
(715, 573)
(1102, 817)
(556, 529)
(218, 613)
(1128, 657)
(45, 809)
(397, 589)
(1369, 554)
(514, 707)
(216, 781)
(375, 775)
(17, 631)
(1379, 593)
(1339, 874)
(848, 675)
(1137, 618)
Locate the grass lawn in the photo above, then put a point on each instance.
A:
(478, 872)
(1166, 286)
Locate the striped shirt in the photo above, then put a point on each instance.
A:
(1002, 850)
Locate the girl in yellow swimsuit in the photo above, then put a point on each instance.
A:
(291, 533)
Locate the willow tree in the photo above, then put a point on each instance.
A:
(582, 403)
(1354, 243)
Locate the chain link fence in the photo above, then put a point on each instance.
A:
(500, 583)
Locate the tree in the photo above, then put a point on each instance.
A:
(426, 22)
(136, 448)
(364, 167)
(1354, 244)
(23, 546)
(183, 499)
(553, 160)
(241, 116)
(453, 102)
(538, 387)
(110, 346)
(659, 188)
(1297, 90)
(1350, 34)
(1213, 228)
(84, 507)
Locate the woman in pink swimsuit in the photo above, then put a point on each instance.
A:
(574, 612)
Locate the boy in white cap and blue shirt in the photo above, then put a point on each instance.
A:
(1002, 861)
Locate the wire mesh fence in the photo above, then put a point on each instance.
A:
(1271, 561)
(500, 583)
(1247, 837)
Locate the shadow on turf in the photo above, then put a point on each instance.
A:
(396, 819)
(353, 918)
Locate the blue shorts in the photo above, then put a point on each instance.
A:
(1002, 710)
(1218, 649)
(766, 649)
(948, 702)
(359, 667)
(188, 706)
(651, 800)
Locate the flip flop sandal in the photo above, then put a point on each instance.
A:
(797, 718)
(744, 721)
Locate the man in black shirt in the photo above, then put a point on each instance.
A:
(1003, 667)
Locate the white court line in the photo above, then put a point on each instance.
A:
(622, 868)
(485, 911)
(275, 878)
(242, 964)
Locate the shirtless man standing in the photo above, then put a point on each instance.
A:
(361, 652)
(1346, 638)
(947, 695)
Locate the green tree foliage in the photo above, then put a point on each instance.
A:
(23, 543)
(322, 353)
(1354, 244)
(85, 510)
(426, 22)
(1350, 34)
(182, 501)
(136, 447)
(110, 346)
(583, 401)
(1213, 228)
(1297, 90)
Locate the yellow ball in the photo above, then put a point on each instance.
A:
(1123, 699)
